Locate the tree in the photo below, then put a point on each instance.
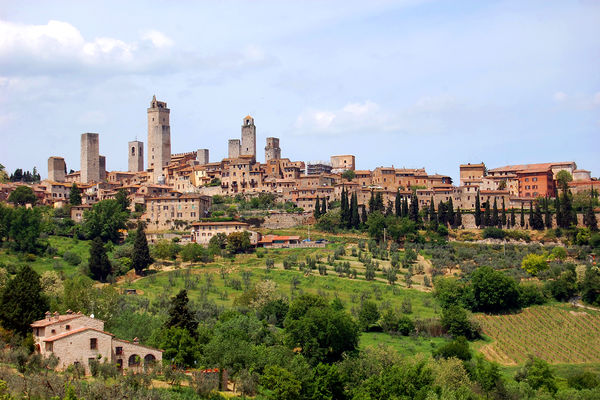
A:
(414, 209)
(547, 215)
(348, 175)
(450, 214)
(345, 208)
(398, 205)
(534, 263)
(321, 333)
(368, 315)
(522, 222)
(141, 253)
(487, 214)
(354, 217)
(24, 228)
(375, 225)
(317, 211)
(180, 315)
(493, 291)
(513, 217)
(477, 210)
(590, 287)
(105, 219)
(123, 200)
(238, 242)
(99, 264)
(495, 220)
(22, 301)
(589, 218)
(282, 383)
(323, 205)
(458, 218)
(567, 213)
(537, 222)
(405, 208)
(433, 220)
(456, 322)
(458, 348)
(3, 175)
(503, 220)
(363, 215)
(75, 195)
(563, 178)
(22, 195)
(537, 373)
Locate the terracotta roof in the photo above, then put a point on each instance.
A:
(272, 238)
(224, 223)
(74, 331)
(61, 318)
(527, 167)
(137, 344)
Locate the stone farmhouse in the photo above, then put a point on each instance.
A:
(75, 338)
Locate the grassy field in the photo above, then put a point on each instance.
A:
(553, 333)
(406, 345)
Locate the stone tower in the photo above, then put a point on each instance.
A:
(202, 156)
(90, 158)
(272, 151)
(135, 158)
(159, 137)
(56, 169)
(234, 148)
(248, 147)
(102, 168)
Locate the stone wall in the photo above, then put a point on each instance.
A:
(287, 220)
(468, 220)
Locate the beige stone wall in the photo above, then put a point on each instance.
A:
(77, 348)
(56, 169)
(134, 353)
(285, 220)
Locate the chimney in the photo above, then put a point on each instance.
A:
(56, 315)
(69, 312)
(48, 315)
(136, 340)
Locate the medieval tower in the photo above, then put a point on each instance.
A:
(90, 158)
(135, 158)
(159, 138)
(57, 169)
(272, 151)
(233, 148)
(248, 145)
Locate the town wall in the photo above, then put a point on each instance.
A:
(287, 220)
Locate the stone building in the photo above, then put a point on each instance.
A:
(90, 158)
(202, 232)
(342, 163)
(202, 156)
(79, 339)
(168, 212)
(248, 145)
(135, 156)
(57, 169)
(471, 172)
(159, 138)
(233, 148)
(272, 150)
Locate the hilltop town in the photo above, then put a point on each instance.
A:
(175, 189)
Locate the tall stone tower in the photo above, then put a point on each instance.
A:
(159, 137)
(272, 151)
(135, 157)
(248, 147)
(90, 158)
(56, 169)
(202, 156)
(234, 148)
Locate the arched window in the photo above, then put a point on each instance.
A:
(149, 359)
(133, 151)
(134, 360)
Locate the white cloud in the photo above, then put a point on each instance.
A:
(158, 39)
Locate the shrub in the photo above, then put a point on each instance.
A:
(458, 348)
(405, 325)
(493, 233)
(72, 258)
(456, 322)
(531, 294)
(583, 380)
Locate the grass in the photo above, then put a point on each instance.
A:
(553, 333)
(405, 345)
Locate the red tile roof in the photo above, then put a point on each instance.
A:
(74, 331)
(61, 318)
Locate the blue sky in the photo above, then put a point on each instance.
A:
(406, 83)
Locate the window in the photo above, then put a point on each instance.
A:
(68, 327)
(93, 344)
(48, 346)
(118, 350)
(534, 179)
(526, 179)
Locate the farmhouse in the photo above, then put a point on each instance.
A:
(75, 338)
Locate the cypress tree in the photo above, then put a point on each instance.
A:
(141, 253)
(458, 218)
(566, 210)
(355, 218)
(22, 301)
(379, 202)
(323, 206)
(589, 218)
(75, 195)
(363, 216)
(99, 264)
(558, 215)
(450, 211)
(530, 215)
(495, 219)
(477, 210)
(513, 217)
(180, 315)
(372, 202)
(414, 209)
(547, 215)
(345, 211)
(522, 222)
(487, 215)
(317, 211)
(503, 212)
(398, 205)
(405, 207)
(433, 220)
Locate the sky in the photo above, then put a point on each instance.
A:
(404, 83)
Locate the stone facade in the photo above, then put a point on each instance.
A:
(135, 156)
(90, 158)
(343, 163)
(248, 145)
(202, 156)
(79, 339)
(57, 169)
(159, 138)
(234, 148)
(102, 168)
(272, 150)
(164, 212)
(202, 232)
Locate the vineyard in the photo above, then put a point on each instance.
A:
(550, 333)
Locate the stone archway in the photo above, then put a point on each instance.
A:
(134, 360)
(149, 359)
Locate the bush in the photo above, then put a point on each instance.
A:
(456, 322)
(493, 233)
(72, 258)
(583, 380)
(531, 294)
(405, 325)
(458, 348)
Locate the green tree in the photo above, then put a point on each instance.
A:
(348, 175)
(375, 225)
(522, 222)
(238, 242)
(105, 219)
(458, 348)
(433, 220)
(590, 287)
(75, 195)
(141, 253)
(354, 217)
(487, 214)
(538, 222)
(493, 291)
(414, 209)
(477, 210)
(328, 383)
(3, 174)
(180, 315)
(398, 205)
(323, 205)
(547, 214)
(22, 195)
(24, 229)
(458, 218)
(123, 200)
(589, 218)
(368, 315)
(495, 218)
(534, 263)
(22, 301)
(282, 384)
(537, 373)
(456, 322)
(503, 220)
(563, 178)
(513, 217)
(99, 264)
(317, 211)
